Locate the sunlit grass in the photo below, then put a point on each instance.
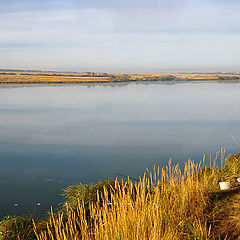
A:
(166, 205)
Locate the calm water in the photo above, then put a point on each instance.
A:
(51, 137)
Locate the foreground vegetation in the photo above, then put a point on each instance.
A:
(166, 204)
(90, 77)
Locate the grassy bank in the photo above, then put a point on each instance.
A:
(9, 78)
(168, 204)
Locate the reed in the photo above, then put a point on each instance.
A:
(169, 204)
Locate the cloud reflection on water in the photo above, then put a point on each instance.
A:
(76, 133)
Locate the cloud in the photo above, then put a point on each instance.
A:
(104, 35)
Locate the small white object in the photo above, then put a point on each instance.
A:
(224, 185)
(238, 179)
(16, 204)
(38, 204)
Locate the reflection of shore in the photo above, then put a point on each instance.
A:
(113, 83)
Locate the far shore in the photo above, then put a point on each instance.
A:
(46, 78)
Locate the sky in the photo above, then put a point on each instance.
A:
(131, 36)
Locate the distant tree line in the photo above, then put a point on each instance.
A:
(127, 78)
(160, 78)
(120, 78)
(228, 77)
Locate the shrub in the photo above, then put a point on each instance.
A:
(17, 228)
(86, 192)
(232, 166)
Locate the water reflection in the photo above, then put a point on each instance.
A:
(77, 133)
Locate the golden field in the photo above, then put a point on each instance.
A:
(66, 78)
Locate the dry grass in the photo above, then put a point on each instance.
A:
(48, 79)
(169, 206)
(225, 214)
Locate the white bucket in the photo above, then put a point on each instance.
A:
(224, 185)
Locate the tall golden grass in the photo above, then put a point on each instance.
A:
(168, 204)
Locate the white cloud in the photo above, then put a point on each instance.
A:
(108, 38)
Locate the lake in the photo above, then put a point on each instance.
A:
(54, 136)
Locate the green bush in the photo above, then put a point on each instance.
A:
(232, 166)
(87, 193)
(17, 228)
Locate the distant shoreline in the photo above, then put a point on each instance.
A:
(46, 78)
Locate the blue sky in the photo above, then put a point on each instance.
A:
(149, 36)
